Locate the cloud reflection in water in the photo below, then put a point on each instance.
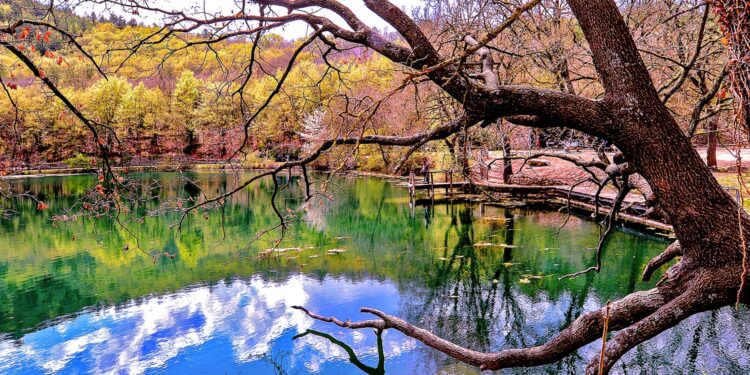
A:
(228, 327)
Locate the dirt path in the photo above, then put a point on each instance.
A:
(564, 173)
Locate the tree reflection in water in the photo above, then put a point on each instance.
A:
(378, 370)
(481, 276)
(474, 299)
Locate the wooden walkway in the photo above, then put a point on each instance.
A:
(457, 186)
(448, 180)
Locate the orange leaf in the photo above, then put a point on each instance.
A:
(49, 54)
(38, 37)
(24, 33)
(33, 48)
(46, 36)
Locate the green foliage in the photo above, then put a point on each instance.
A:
(79, 161)
(105, 97)
(186, 95)
(140, 109)
(189, 107)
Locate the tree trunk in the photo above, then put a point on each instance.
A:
(507, 162)
(712, 143)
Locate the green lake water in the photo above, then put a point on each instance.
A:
(72, 300)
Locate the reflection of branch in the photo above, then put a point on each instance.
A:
(379, 370)
(611, 218)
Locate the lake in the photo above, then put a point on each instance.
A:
(80, 297)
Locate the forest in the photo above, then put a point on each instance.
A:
(186, 109)
(170, 101)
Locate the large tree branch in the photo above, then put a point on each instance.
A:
(543, 108)
(674, 250)
(685, 305)
(586, 329)
(622, 71)
(424, 52)
(488, 71)
(360, 33)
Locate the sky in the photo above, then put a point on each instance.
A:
(291, 31)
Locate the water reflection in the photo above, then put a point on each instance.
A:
(234, 325)
(248, 326)
(353, 358)
(71, 301)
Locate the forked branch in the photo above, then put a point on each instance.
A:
(674, 250)
(586, 329)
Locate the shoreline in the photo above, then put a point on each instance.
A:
(507, 196)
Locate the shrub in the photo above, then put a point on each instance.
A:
(79, 161)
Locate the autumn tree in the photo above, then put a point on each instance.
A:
(185, 101)
(139, 117)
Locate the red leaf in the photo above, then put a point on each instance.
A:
(24, 33)
(722, 94)
(46, 36)
(12, 86)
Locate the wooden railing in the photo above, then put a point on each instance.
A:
(450, 180)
